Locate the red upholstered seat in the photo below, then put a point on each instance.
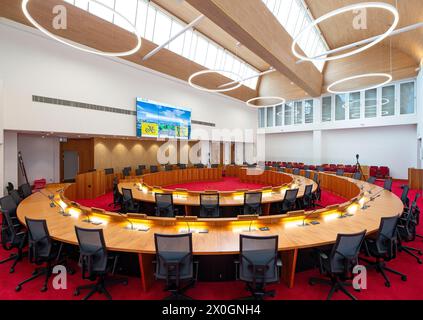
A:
(384, 172)
(374, 170)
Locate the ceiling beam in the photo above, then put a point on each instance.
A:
(251, 23)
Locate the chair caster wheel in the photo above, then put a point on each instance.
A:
(43, 289)
(420, 253)
(34, 272)
(311, 282)
(76, 293)
(419, 261)
(125, 283)
(404, 278)
(387, 284)
(12, 270)
(18, 288)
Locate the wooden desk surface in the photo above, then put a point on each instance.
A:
(222, 237)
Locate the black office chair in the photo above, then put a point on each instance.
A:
(142, 167)
(42, 251)
(339, 263)
(320, 169)
(252, 203)
(308, 198)
(10, 187)
(268, 168)
(154, 169)
(26, 190)
(126, 172)
(96, 262)
(129, 205)
(199, 165)
(404, 196)
(117, 197)
(175, 264)
(281, 170)
(258, 264)
(384, 248)
(307, 174)
(168, 167)
(371, 180)
(13, 236)
(357, 175)
(387, 185)
(340, 172)
(296, 171)
(289, 202)
(16, 196)
(139, 172)
(8, 203)
(416, 212)
(164, 205)
(407, 232)
(318, 194)
(209, 205)
(215, 166)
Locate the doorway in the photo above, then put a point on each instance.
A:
(70, 165)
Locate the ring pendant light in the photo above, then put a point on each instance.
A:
(250, 102)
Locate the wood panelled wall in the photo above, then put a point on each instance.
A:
(85, 150)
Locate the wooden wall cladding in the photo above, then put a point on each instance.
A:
(85, 150)
(415, 178)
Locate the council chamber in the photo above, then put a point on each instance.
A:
(211, 150)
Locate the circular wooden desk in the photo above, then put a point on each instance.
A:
(223, 234)
(277, 183)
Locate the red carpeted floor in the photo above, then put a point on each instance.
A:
(226, 184)
(412, 289)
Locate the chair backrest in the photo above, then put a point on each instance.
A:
(258, 259)
(404, 195)
(357, 175)
(387, 185)
(93, 251)
(215, 166)
(139, 172)
(16, 196)
(109, 171)
(344, 255)
(339, 172)
(320, 169)
(168, 167)
(164, 200)
(252, 198)
(40, 243)
(10, 187)
(209, 205)
(142, 167)
(386, 239)
(316, 178)
(174, 255)
(199, 165)
(296, 171)
(127, 195)
(371, 180)
(154, 169)
(26, 190)
(307, 174)
(126, 172)
(9, 204)
(182, 166)
(308, 190)
(8, 231)
(291, 195)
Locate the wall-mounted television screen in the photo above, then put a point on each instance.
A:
(158, 120)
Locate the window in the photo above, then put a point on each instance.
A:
(156, 25)
(340, 106)
(308, 111)
(270, 116)
(288, 113)
(370, 103)
(294, 16)
(279, 115)
(354, 105)
(326, 109)
(388, 101)
(261, 117)
(407, 98)
(298, 112)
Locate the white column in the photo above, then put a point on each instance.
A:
(239, 153)
(317, 147)
(10, 156)
(227, 153)
(205, 152)
(2, 183)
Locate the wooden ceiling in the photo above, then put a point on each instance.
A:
(89, 30)
(339, 31)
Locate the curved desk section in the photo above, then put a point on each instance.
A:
(222, 235)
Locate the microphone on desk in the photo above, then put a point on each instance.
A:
(128, 220)
(304, 224)
(87, 214)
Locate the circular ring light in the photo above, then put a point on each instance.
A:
(237, 85)
(360, 76)
(281, 101)
(101, 53)
(357, 6)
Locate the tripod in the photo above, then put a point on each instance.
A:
(358, 167)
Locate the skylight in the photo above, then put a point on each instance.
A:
(156, 25)
(294, 17)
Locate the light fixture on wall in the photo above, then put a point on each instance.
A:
(250, 102)
(360, 76)
(237, 84)
(357, 6)
(78, 47)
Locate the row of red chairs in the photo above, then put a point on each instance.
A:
(378, 172)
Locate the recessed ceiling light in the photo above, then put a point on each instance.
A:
(92, 51)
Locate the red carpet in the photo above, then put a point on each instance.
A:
(412, 289)
(226, 184)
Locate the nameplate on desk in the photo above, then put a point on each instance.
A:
(314, 223)
(185, 231)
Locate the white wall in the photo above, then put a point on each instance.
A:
(34, 65)
(420, 112)
(295, 147)
(41, 158)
